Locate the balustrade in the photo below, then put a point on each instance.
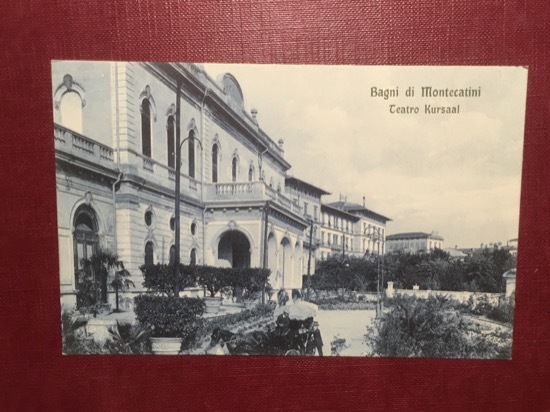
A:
(233, 188)
(148, 164)
(79, 145)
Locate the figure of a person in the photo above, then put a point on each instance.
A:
(317, 340)
(283, 323)
(282, 297)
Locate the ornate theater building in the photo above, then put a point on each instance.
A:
(115, 148)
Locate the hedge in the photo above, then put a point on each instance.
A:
(169, 316)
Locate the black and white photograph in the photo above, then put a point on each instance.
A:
(287, 210)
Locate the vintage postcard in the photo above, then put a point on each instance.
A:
(276, 210)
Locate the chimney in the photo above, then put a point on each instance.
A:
(364, 202)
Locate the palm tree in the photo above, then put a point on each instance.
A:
(121, 282)
(98, 268)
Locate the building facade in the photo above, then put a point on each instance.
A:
(351, 229)
(414, 242)
(308, 197)
(115, 147)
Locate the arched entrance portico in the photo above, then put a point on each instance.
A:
(234, 247)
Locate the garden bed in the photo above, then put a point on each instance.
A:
(242, 322)
(339, 303)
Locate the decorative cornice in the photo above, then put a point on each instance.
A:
(68, 85)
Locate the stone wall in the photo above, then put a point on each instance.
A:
(459, 296)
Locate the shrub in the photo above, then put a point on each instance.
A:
(342, 303)
(232, 320)
(253, 279)
(127, 338)
(169, 316)
(74, 337)
(504, 311)
(213, 278)
(430, 328)
(160, 278)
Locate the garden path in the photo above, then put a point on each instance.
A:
(348, 324)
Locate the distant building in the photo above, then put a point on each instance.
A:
(351, 229)
(510, 279)
(455, 254)
(414, 242)
(307, 197)
(512, 246)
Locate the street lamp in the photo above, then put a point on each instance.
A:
(177, 190)
(309, 257)
(375, 235)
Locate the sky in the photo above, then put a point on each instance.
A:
(455, 174)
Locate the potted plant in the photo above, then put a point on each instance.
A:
(213, 279)
(171, 320)
(254, 283)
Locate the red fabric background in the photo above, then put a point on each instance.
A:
(34, 375)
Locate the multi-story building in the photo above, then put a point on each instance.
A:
(115, 127)
(308, 198)
(351, 229)
(414, 242)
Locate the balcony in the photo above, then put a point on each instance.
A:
(82, 147)
(248, 191)
(235, 191)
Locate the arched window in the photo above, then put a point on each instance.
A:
(149, 253)
(85, 244)
(191, 147)
(193, 257)
(215, 163)
(70, 111)
(171, 141)
(86, 237)
(234, 169)
(146, 128)
(251, 173)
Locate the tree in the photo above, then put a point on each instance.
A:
(482, 273)
(93, 285)
(346, 273)
(121, 281)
